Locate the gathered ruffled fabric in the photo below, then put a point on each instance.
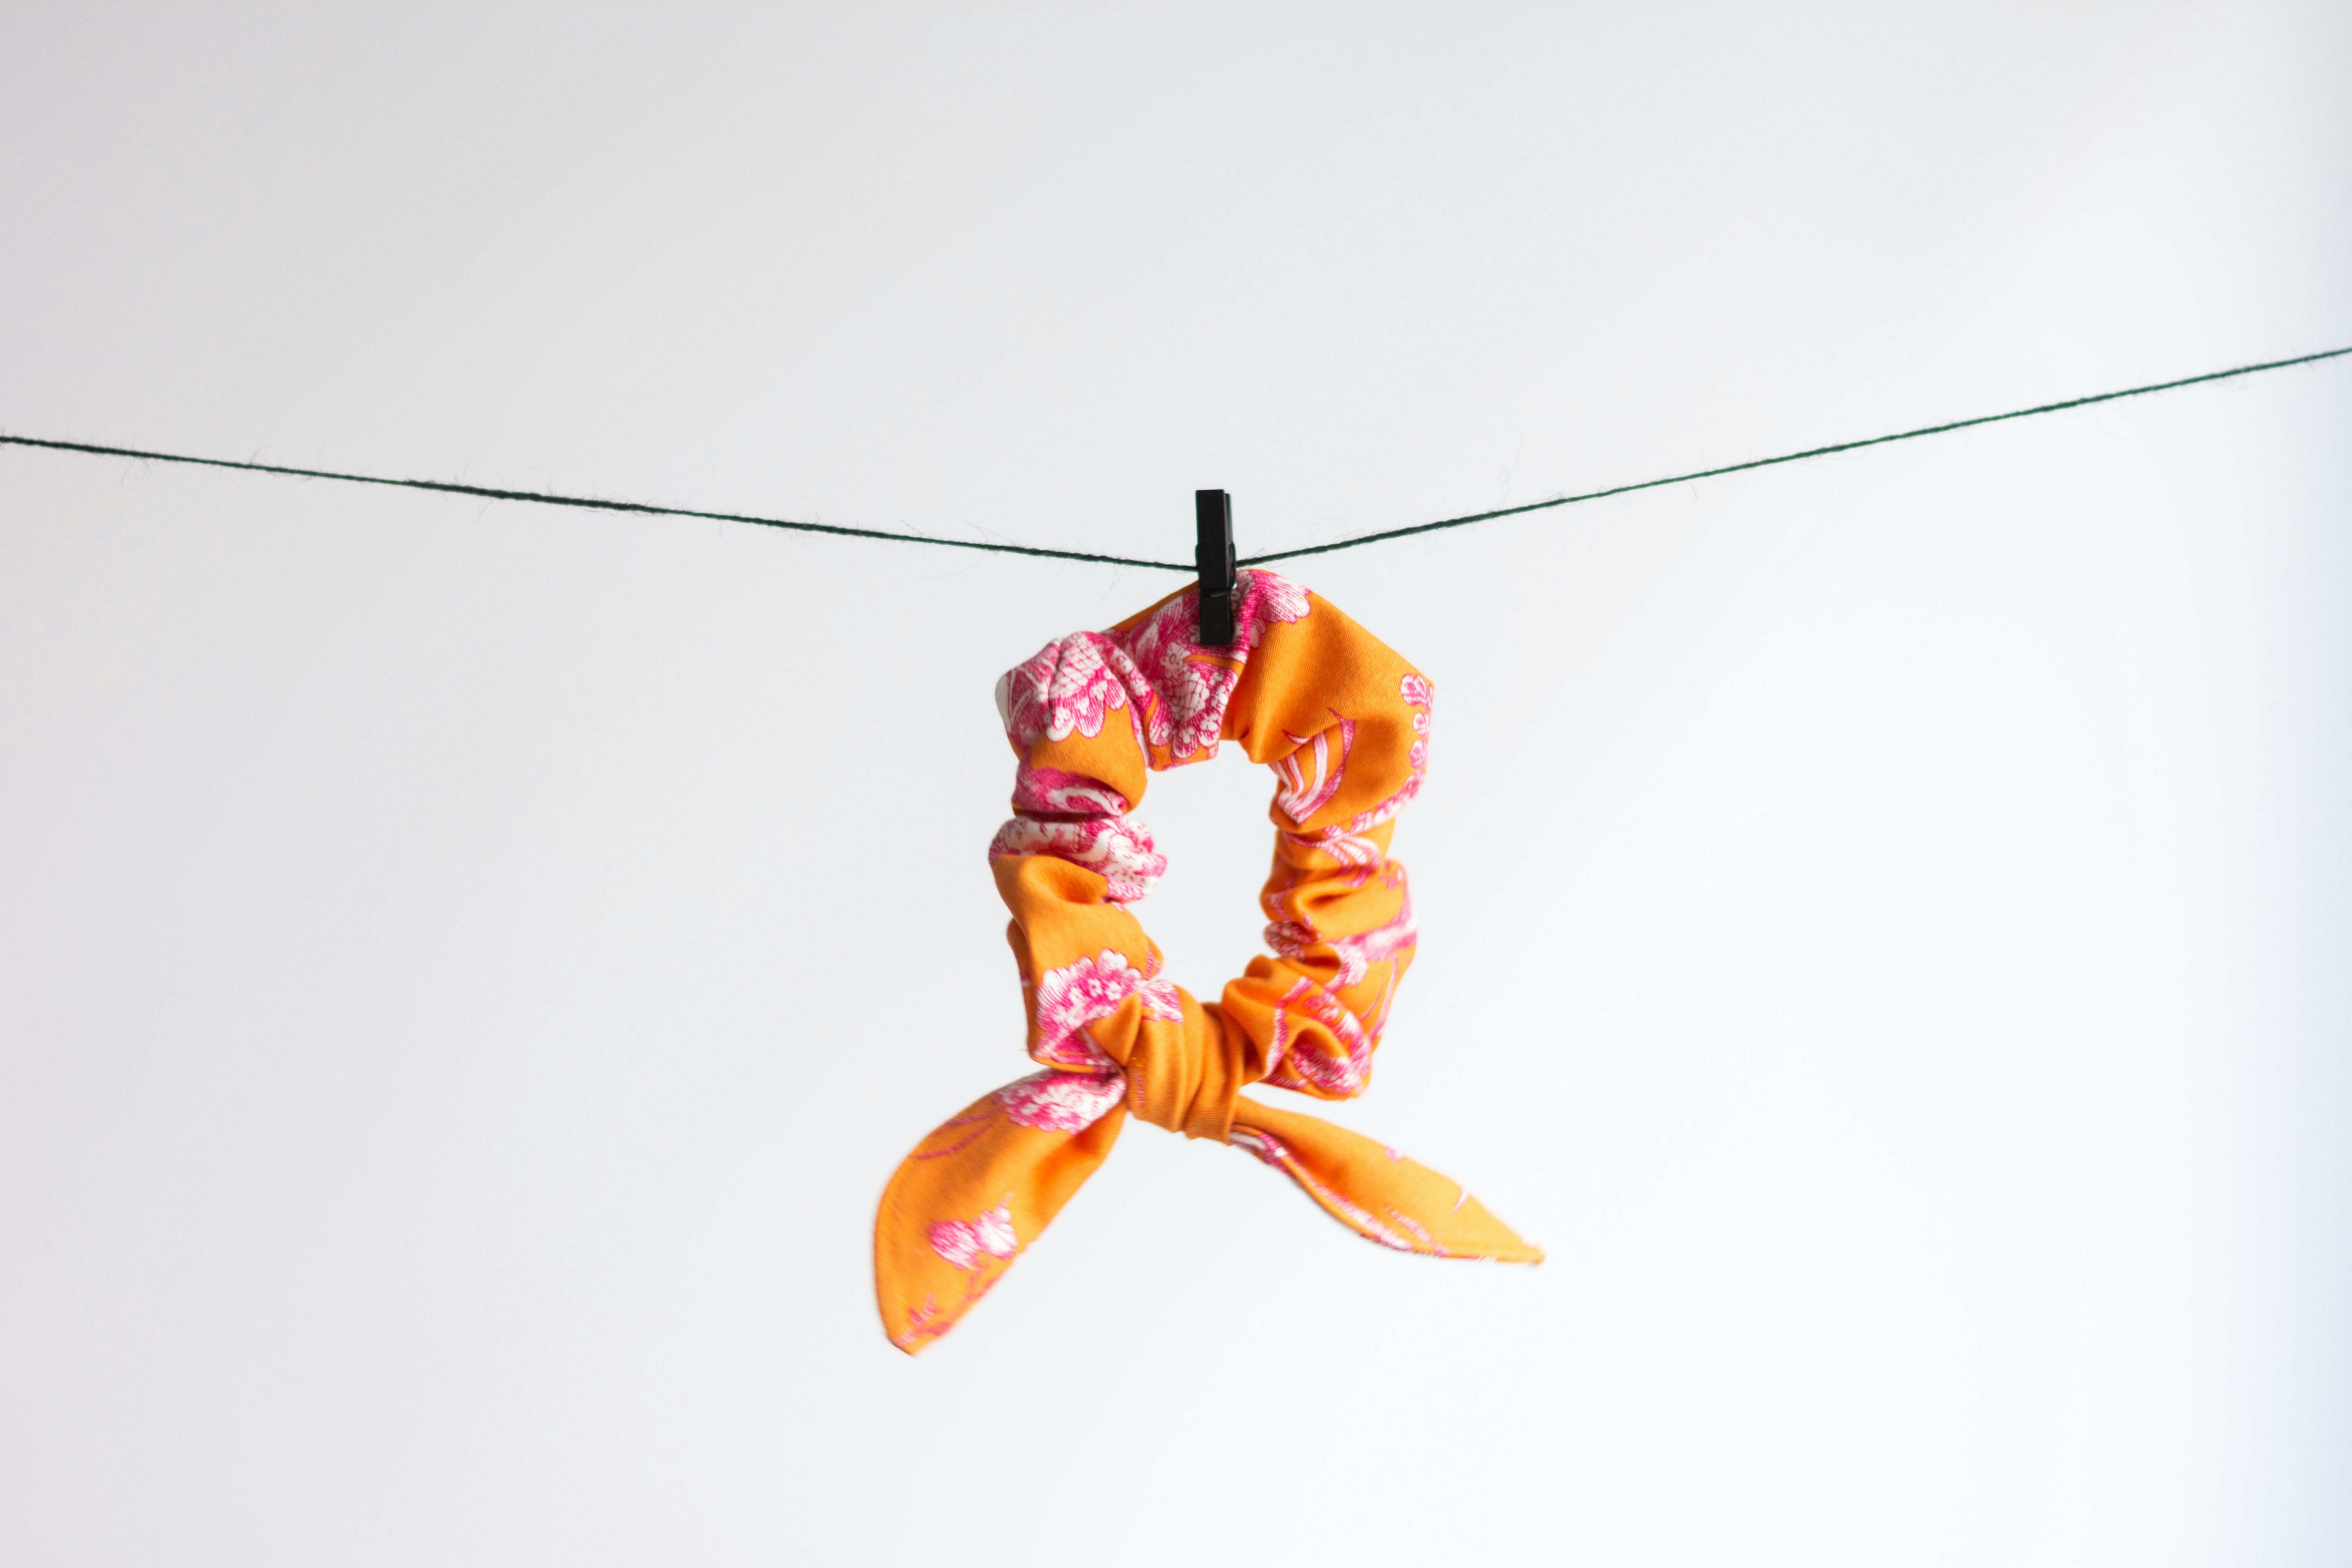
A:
(1344, 722)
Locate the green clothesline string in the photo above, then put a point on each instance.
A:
(594, 503)
(1795, 456)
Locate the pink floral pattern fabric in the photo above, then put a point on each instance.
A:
(966, 1242)
(1173, 689)
(1117, 849)
(1063, 1102)
(1087, 992)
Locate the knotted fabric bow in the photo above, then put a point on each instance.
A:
(1344, 722)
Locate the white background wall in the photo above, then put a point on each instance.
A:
(466, 970)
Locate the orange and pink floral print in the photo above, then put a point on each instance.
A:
(1344, 723)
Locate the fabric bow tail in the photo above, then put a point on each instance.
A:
(929, 1270)
(1374, 1191)
(972, 1195)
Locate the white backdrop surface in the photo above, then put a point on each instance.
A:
(466, 970)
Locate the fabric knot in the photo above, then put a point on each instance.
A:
(1188, 1077)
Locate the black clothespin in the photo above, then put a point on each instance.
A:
(1213, 510)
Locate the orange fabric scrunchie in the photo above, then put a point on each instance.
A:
(1345, 724)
